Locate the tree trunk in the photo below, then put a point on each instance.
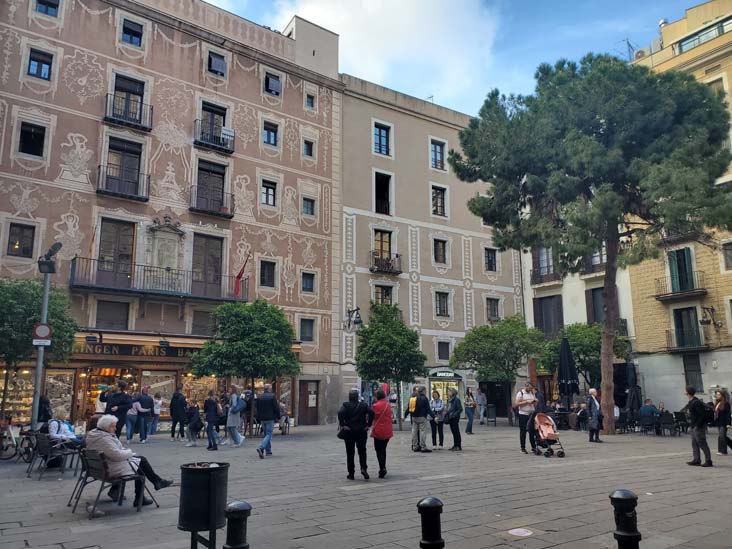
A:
(609, 327)
(399, 404)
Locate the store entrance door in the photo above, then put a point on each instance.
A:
(307, 410)
(498, 394)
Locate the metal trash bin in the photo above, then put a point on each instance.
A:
(490, 412)
(203, 492)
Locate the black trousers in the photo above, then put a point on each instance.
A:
(525, 426)
(594, 435)
(457, 441)
(146, 469)
(723, 441)
(437, 428)
(380, 447)
(355, 440)
(121, 421)
(699, 442)
(181, 423)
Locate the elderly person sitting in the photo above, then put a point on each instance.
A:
(122, 461)
(61, 431)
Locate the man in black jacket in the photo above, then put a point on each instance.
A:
(268, 411)
(698, 426)
(118, 404)
(178, 407)
(420, 415)
(354, 419)
(144, 419)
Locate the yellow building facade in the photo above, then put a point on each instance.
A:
(683, 300)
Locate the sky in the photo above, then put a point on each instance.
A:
(457, 51)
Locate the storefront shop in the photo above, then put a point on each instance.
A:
(441, 380)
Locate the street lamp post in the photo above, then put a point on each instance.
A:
(47, 267)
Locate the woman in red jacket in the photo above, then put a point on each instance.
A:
(381, 429)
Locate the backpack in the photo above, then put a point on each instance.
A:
(412, 404)
(708, 414)
(238, 407)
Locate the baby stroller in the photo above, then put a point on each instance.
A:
(546, 435)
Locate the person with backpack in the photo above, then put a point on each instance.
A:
(698, 416)
(419, 409)
(383, 429)
(354, 420)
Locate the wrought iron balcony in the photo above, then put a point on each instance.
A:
(545, 274)
(680, 341)
(385, 263)
(682, 287)
(128, 111)
(211, 137)
(211, 201)
(588, 267)
(116, 181)
(133, 278)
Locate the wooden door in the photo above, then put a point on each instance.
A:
(308, 403)
(116, 251)
(207, 265)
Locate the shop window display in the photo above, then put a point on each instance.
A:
(60, 389)
(163, 383)
(198, 388)
(17, 391)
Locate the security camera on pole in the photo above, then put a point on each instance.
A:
(42, 331)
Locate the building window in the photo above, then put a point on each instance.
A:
(47, 7)
(686, 327)
(491, 309)
(441, 304)
(202, 323)
(32, 139)
(382, 295)
(208, 254)
(216, 64)
(269, 193)
(443, 350)
(438, 201)
(272, 84)
(269, 134)
(132, 32)
(307, 148)
(382, 193)
(595, 303)
(704, 35)
(308, 282)
(123, 167)
(437, 154)
(382, 139)
(382, 244)
(681, 270)
(112, 315)
(128, 96)
(267, 270)
(439, 248)
(310, 101)
(727, 255)
(210, 188)
(692, 372)
(490, 256)
(20, 240)
(39, 64)
(307, 329)
(549, 315)
(308, 206)
(545, 261)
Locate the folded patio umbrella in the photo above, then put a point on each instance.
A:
(567, 378)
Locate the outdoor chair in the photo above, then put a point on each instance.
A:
(622, 422)
(46, 451)
(647, 424)
(680, 422)
(95, 469)
(667, 423)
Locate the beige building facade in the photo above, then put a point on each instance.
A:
(408, 236)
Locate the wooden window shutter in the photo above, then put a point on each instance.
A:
(590, 307)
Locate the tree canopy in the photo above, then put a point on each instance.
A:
(251, 340)
(496, 351)
(603, 156)
(20, 302)
(585, 342)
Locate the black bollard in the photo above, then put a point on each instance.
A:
(237, 513)
(430, 509)
(626, 521)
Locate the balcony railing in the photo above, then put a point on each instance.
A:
(128, 111)
(211, 202)
(134, 278)
(623, 327)
(588, 267)
(684, 340)
(544, 274)
(117, 181)
(385, 263)
(212, 137)
(684, 286)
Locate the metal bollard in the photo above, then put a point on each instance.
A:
(626, 521)
(430, 509)
(237, 513)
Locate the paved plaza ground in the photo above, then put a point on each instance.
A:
(301, 496)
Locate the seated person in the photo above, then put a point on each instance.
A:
(648, 409)
(122, 461)
(61, 431)
(661, 408)
(582, 416)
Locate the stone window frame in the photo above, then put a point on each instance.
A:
(218, 101)
(130, 50)
(39, 86)
(392, 192)
(128, 72)
(443, 321)
(273, 100)
(132, 310)
(309, 189)
(189, 312)
(499, 266)
(722, 267)
(393, 284)
(126, 135)
(309, 88)
(47, 22)
(278, 270)
(446, 188)
(430, 139)
(703, 338)
(209, 77)
(39, 224)
(265, 148)
(501, 305)
(441, 268)
(308, 133)
(309, 297)
(37, 117)
(386, 227)
(392, 141)
(441, 339)
(275, 177)
(316, 328)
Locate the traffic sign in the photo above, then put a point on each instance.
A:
(42, 342)
(42, 330)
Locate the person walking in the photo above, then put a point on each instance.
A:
(211, 413)
(178, 408)
(145, 414)
(722, 419)
(594, 416)
(117, 405)
(698, 427)
(437, 425)
(132, 423)
(354, 420)
(268, 411)
(193, 424)
(482, 401)
(452, 416)
(233, 416)
(157, 406)
(526, 404)
(470, 407)
(383, 429)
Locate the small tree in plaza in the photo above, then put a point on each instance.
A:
(20, 303)
(496, 351)
(586, 344)
(605, 158)
(389, 351)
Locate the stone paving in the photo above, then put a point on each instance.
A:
(302, 499)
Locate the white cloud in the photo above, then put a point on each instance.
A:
(420, 47)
